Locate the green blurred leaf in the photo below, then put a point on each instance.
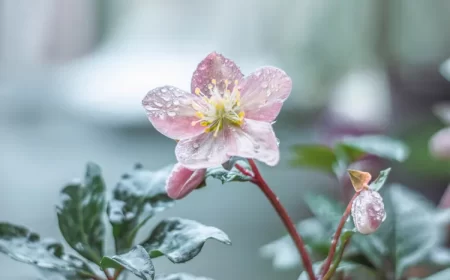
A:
(314, 156)
(327, 210)
(416, 231)
(136, 198)
(378, 183)
(228, 172)
(180, 276)
(378, 145)
(25, 246)
(180, 240)
(80, 215)
(442, 275)
(345, 269)
(285, 255)
(136, 261)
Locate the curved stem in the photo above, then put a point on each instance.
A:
(108, 276)
(334, 242)
(338, 259)
(261, 183)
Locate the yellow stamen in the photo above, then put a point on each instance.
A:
(236, 82)
(197, 91)
(204, 123)
(213, 81)
(199, 115)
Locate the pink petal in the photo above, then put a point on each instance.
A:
(182, 181)
(368, 211)
(263, 93)
(256, 140)
(215, 66)
(440, 144)
(203, 151)
(170, 111)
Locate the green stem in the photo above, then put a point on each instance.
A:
(337, 235)
(338, 259)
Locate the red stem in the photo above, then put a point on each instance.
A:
(108, 276)
(337, 235)
(261, 183)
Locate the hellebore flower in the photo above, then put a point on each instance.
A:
(225, 115)
(368, 211)
(182, 181)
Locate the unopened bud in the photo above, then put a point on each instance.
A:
(368, 211)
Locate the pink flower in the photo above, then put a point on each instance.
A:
(368, 211)
(225, 115)
(182, 181)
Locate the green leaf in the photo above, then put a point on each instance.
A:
(416, 231)
(136, 198)
(345, 269)
(180, 240)
(285, 255)
(80, 215)
(378, 183)
(443, 275)
(228, 172)
(378, 145)
(314, 156)
(180, 276)
(25, 246)
(328, 211)
(136, 261)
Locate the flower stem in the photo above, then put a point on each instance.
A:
(334, 242)
(108, 276)
(338, 259)
(261, 183)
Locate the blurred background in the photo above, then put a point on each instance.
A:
(73, 74)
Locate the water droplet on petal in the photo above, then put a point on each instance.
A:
(163, 90)
(278, 142)
(176, 102)
(171, 114)
(264, 84)
(195, 145)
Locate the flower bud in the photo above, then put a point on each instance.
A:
(368, 211)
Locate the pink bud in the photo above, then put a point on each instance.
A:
(182, 181)
(368, 211)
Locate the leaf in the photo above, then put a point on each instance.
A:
(136, 198)
(180, 276)
(443, 275)
(314, 156)
(378, 145)
(180, 240)
(285, 255)
(136, 261)
(416, 231)
(355, 270)
(80, 216)
(328, 211)
(378, 183)
(228, 172)
(25, 246)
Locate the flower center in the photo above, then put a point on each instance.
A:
(222, 107)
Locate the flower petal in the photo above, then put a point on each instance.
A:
(256, 140)
(440, 144)
(204, 150)
(182, 181)
(215, 66)
(170, 111)
(263, 93)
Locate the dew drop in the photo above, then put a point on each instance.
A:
(264, 85)
(171, 114)
(163, 90)
(157, 104)
(195, 145)
(278, 142)
(176, 102)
